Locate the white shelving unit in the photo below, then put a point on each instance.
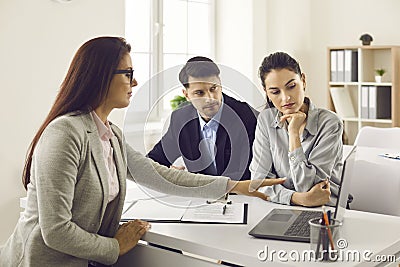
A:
(369, 58)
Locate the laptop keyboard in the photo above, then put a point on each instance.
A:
(300, 226)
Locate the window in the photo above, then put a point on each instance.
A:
(164, 34)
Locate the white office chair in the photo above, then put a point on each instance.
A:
(375, 183)
(379, 137)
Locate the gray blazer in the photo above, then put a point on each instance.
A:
(67, 196)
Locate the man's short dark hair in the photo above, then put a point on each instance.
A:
(198, 67)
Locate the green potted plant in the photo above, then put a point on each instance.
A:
(378, 74)
(178, 101)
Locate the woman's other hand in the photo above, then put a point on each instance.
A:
(318, 195)
(296, 121)
(129, 234)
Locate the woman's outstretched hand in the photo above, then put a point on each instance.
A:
(249, 187)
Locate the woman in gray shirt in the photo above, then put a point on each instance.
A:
(295, 139)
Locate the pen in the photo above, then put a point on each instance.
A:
(328, 213)
(327, 227)
(327, 179)
(223, 209)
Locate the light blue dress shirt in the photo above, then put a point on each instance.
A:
(208, 133)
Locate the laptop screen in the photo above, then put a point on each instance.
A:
(343, 193)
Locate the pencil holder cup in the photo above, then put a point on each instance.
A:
(325, 241)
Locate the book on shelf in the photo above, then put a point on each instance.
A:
(375, 102)
(350, 66)
(342, 102)
(334, 66)
(364, 102)
(340, 65)
(379, 102)
(344, 65)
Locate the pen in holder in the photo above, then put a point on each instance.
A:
(324, 237)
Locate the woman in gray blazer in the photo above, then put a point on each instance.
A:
(77, 164)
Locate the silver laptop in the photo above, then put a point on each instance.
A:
(291, 224)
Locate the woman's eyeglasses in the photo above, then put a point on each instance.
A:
(128, 73)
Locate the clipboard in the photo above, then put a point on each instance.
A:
(153, 210)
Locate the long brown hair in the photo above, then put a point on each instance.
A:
(85, 86)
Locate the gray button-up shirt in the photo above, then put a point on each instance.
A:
(318, 158)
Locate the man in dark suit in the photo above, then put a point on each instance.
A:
(214, 133)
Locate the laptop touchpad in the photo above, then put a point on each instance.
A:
(280, 217)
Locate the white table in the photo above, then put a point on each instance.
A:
(231, 243)
(375, 182)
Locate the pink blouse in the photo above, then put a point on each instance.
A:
(105, 134)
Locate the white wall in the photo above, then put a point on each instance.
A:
(289, 29)
(247, 31)
(37, 42)
(234, 34)
(238, 40)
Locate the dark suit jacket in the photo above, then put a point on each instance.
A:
(234, 141)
